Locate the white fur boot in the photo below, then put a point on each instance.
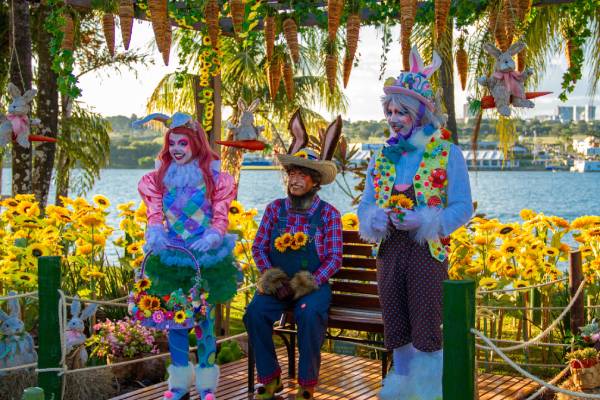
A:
(207, 380)
(395, 387)
(180, 380)
(426, 376)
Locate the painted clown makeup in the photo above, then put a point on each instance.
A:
(399, 119)
(180, 148)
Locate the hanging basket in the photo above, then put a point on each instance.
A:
(585, 374)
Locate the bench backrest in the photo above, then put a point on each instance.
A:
(355, 284)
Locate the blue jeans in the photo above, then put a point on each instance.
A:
(311, 314)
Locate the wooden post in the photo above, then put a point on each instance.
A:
(33, 393)
(459, 382)
(215, 134)
(50, 348)
(575, 279)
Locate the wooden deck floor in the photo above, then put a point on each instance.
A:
(342, 378)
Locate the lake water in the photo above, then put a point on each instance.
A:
(499, 194)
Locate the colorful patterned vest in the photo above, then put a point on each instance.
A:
(187, 212)
(429, 183)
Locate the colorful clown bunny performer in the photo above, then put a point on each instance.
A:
(416, 194)
(191, 267)
(298, 247)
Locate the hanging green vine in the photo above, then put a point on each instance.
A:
(62, 60)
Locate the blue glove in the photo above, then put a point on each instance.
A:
(210, 240)
(156, 238)
(412, 220)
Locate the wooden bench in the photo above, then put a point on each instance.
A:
(354, 305)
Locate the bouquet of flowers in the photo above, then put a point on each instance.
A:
(122, 339)
(398, 204)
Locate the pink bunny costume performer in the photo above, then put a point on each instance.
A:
(187, 199)
(416, 164)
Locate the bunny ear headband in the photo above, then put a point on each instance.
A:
(178, 120)
(300, 155)
(415, 83)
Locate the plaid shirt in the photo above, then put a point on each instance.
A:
(328, 237)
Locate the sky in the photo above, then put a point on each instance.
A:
(126, 94)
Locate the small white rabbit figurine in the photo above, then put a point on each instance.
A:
(74, 333)
(506, 84)
(17, 124)
(245, 129)
(16, 345)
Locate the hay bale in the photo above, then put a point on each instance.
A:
(12, 384)
(569, 385)
(97, 384)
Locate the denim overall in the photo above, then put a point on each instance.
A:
(310, 311)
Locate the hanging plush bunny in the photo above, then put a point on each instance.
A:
(17, 124)
(245, 129)
(16, 345)
(506, 84)
(75, 327)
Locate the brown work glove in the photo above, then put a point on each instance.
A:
(276, 283)
(303, 283)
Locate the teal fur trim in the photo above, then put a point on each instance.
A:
(206, 259)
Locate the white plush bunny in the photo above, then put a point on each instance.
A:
(16, 345)
(245, 129)
(17, 124)
(506, 84)
(74, 333)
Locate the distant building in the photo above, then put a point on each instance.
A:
(579, 113)
(565, 113)
(576, 113)
(590, 113)
(488, 159)
(590, 146)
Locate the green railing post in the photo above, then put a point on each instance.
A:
(460, 380)
(49, 352)
(33, 393)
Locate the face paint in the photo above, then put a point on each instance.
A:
(399, 119)
(179, 148)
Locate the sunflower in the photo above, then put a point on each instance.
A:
(206, 40)
(474, 269)
(28, 208)
(487, 226)
(146, 302)
(509, 271)
(518, 284)
(287, 239)
(140, 213)
(527, 214)
(95, 273)
(400, 201)
(506, 229)
(279, 245)
(593, 233)
(350, 222)
(551, 251)
(236, 207)
(565, 248)
(37, 250)
(142, 284)
(529, 272)
(179, 317)
(10, 203)
(98, 240)
(560, 222)
(509, 247)
(482, 240)
(24, 278)
(101, 201)
(137, 262)
(125, 206)
(488, 283)
(92, 220)
(84, 249)
(300, 238)
(585, 222)
(134, 248)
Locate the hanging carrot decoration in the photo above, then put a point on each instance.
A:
(462, 62)
(275, 72)
(211, 14)
(288, 78)
(237, 8)
(352, 32)
(523, 8)
(161, 26)
(68, 30)
(108, 25)
(331, 65)
(334, 12)
(270, 36)
(442, 9)
(290, 31)
(408, 12)
(126, 19)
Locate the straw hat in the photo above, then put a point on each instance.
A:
(308, 158)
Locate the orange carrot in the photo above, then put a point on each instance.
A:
(288, 78)
(334, 12)
(126, 19)
(290, 31)
(270, 36)
(462, 63)
(211, 14)
(442, 9)
(237, 14)
(108, 25)
(331, 71)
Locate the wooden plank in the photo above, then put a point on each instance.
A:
(357, 250)
(356, 288)
(353, 237)
(355, 275)
(347, 300)
(355, 262)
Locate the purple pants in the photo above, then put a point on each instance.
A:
(409, 282)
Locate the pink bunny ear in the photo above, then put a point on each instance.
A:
(436, 63)
(415, 60)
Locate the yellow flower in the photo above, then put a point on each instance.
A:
(474, 269)
(84, 249)
(560, 222)
(125, 225)
(564, 248)
(179, 317)
(400, 201)
(69, 236)
(279, 245)
(238, 250)
(140, 213)
(487, 226)
(585, 222)
(98, 240)
(520, 284)
(482, 240)
(142, 284)
(300, 238)
(286, 239)
(509, 271)
(593, 233)
(95, 273)
(488, 283)
(101, 201)
(37, 250)
(125, 206)
(236, 207)
(134, 248)
(137, 262)
(350, 222)
(92, 220)
(509, 247)
(506, 229)
(529, 272)
(25, 278)
(80, 202)
(28, 208)
(10, 203)
(527, 214)
(148, 302)
(551, 251)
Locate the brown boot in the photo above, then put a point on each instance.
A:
(305, 393)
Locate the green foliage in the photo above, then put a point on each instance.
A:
(229, 351)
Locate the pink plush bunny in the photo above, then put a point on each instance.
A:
(506, 84)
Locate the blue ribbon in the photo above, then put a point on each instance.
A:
(395, 151)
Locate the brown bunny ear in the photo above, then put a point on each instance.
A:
(298, 131)
(331, 138)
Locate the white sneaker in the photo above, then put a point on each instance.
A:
(395, 387)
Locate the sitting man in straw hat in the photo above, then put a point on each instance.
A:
(298, 247)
